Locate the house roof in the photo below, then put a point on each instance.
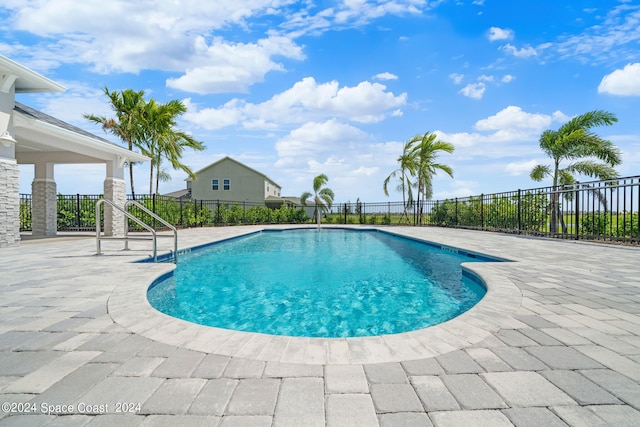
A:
(26, 80)
(39, 132)
(180, 194)
(296, 200)
(241, 164)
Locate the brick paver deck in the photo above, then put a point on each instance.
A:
(556, 341)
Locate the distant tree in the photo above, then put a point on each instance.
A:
(322, 196)
(403, 174)
(423, 155)
(574, 142)
(128, 106)
(163, 141)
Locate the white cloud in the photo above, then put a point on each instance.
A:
(507, 78)
(513, 117)
(233, 67)
(624, 82)
(474, 90)
(145, 35)
(355, 164)
(511, 132)
(385, 76)
(312, 139)
(496, 33)
(351, 13)
(614, 38)
(457, 78)
(306, 100)
(559, 116)
(524, 52)
(520, 168)
(485, 78)
(231, 113)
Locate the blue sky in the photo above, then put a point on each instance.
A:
(298, 88)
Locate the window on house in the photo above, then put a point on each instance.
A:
(214, 184)
(227, 184)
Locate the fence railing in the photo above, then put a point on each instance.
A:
(596, 210)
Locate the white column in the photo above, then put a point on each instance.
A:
(44, 201)
(115, 189)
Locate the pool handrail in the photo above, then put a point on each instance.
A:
(157, 218)
(126, 237)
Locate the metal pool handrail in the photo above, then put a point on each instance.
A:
(126, 237)
(157, 218)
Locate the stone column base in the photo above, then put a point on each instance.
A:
(9, 203)
(115, 190)
(44, 207)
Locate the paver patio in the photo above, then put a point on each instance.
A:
(556, 341)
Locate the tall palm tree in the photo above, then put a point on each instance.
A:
(164, 141)
(322, 196)
(424, 152)
(575, 142)
(128, 106)
(403, 173)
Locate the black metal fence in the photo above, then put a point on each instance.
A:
(25, 212)
(597, 210)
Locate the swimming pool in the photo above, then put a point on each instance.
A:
(327, 283)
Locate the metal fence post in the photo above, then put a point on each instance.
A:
(78, 212)
(482, 211)
(519, 213)
(456, 221)
(577, 207)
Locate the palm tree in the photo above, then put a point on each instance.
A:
(424, 151)
(405, 161)
(163, 141)
(575, 142)
(128, 106)
(323, 197)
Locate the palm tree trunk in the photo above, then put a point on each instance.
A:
(151, 167)
(133, 192)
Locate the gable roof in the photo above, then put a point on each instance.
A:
(239, 163)
(43, 117)
(29, 123)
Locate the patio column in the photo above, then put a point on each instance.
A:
(115, 189)
(9, 170)
(44, 208)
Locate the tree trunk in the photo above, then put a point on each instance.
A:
(133, 191)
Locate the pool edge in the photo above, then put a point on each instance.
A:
(129, 307)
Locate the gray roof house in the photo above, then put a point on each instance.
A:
(232, 181)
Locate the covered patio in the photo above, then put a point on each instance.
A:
(29, 136)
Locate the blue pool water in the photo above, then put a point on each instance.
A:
(327, 283)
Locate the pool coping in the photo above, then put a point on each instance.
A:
(128, 306)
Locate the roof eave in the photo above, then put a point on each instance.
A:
(27, 80)
(124, 154)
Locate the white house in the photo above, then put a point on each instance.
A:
(28, 136)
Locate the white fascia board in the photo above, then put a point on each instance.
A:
(28, 81)
(70, 139)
